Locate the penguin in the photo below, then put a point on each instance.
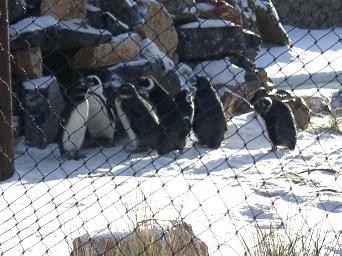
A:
(136, 116)
(172, 137)
(209, 124)
(101, 123)
(279, 122)
(74, 121)
(185, 106)
(259, 93)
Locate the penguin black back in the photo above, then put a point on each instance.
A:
(169, 116)
(209, 123)
(279, 122)
(138, 119)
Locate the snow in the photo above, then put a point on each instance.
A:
(222, 193)
(92, 8)
(208, 23)
(314, 58)
(39, 83)
(76, 25)
(202, 7)
(221, 71)
(124, 36)
(151, 52)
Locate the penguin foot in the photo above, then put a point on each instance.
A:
(74, 155)
(273, 149)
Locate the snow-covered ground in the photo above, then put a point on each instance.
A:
(222, 193)
(314, 59)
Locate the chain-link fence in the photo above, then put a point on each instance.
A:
(181, 127)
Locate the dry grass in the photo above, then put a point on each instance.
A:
(279, 242)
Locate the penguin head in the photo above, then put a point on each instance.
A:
(94, 83)
(260, 92)
(146, 83)
(202, 82)
(127, 91)
(263, 105)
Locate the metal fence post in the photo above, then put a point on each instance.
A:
(6, 127)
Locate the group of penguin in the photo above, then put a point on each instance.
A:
(154, 119)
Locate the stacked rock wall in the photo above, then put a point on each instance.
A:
(309, 13)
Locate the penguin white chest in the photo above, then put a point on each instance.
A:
(99, 123)
(126, 122)
(75, 127)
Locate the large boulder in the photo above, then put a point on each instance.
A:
(122, 48)
(207, 39)
(177, 7)
(125, 11)
(158, 27)
(270, 28)
(49, 33)
(152, 61)
(43, 104)
(98, 18)
(216, 9)
(64, 9)
(28, 63)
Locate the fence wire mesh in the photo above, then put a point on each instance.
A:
(188, 127)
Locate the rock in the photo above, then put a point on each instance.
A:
(270, 28)
(316, 14)
(16, 10)
(336, 101)
(176, 7)
(317, 104)
(217, 10)
(158, 27)
(174, 238)
(232, 104)
(209, 39)
(43, 103)
(122, 48)
(48, 33)
(152, 62)
(125, 11)
(220, 72)
(29, 63)
(64, 9)
(105, 20)
(300, 110)
(73, 34)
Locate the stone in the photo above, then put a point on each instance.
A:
(98, 18)
(64, 9)
(269, 26)
(232, 104)
(29, 63)
(210, 42)
(220, 10)
(126, 11)
(49, 33)
(152, 61)
(75, 34)
(122, 48)
(299, 108)
(43, 103)
(133, 70)
(158, 27)
(174, 238)
(317, 104)
(16, 10)
(177, 7)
